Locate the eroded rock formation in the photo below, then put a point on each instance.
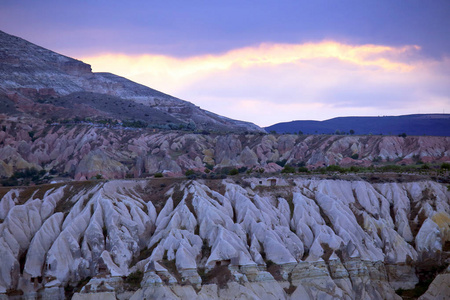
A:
(84, 151)
(254, 238)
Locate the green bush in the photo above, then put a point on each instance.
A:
(288, 169)
(355, 156)
(189, 172)
(335, 168)
(303, 170)
(158, 175)
(134, 279)
(355, 169)
(233, 172)
(445, 166)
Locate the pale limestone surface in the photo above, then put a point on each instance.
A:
(325, 238)
(439, 289)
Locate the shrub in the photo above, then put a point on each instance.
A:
(301, 164)
(288, 169)
(335, 168)
(11, 181)
(355, 156)
(189, 172)
(158, 175)
(303, 170)
(425, 167)
(233, 172)
(355, 169)
(134, 279)
(445, 166)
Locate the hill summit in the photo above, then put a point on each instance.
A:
(419, 124)
(46, 85)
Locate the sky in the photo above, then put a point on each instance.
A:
(259, 61)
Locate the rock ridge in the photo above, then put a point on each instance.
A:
(220, 238)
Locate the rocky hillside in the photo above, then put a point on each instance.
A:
(252, 238)
(49, 86)
(84, 151)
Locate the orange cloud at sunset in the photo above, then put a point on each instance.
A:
(272, 54)
(294, 81)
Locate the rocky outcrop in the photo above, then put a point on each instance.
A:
(83, 151)
(439, 289)
(274, 238)
(33, 77)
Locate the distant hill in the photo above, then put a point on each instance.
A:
(419, 124)
(39, 83)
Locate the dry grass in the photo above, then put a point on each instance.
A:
(156, 189)
(219, 275)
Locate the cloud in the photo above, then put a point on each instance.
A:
(273, 83)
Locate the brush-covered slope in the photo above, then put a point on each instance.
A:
(255, 238)
(47, 85)
(420, 124)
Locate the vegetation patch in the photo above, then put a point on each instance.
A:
(133, 281)
(26, 177)
(274, 270)
(219, 275)
(426, 273)
(172, 268)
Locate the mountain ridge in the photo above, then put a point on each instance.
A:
(32, 76)
(414, 124)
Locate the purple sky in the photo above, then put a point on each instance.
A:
(261, 61)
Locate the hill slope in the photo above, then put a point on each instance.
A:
(420, 124)
(83, 151)
(31, 78)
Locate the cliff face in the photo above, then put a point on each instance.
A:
(267, 238)
(33, 77)
(84, 151)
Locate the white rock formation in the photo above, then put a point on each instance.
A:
(216, 239)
